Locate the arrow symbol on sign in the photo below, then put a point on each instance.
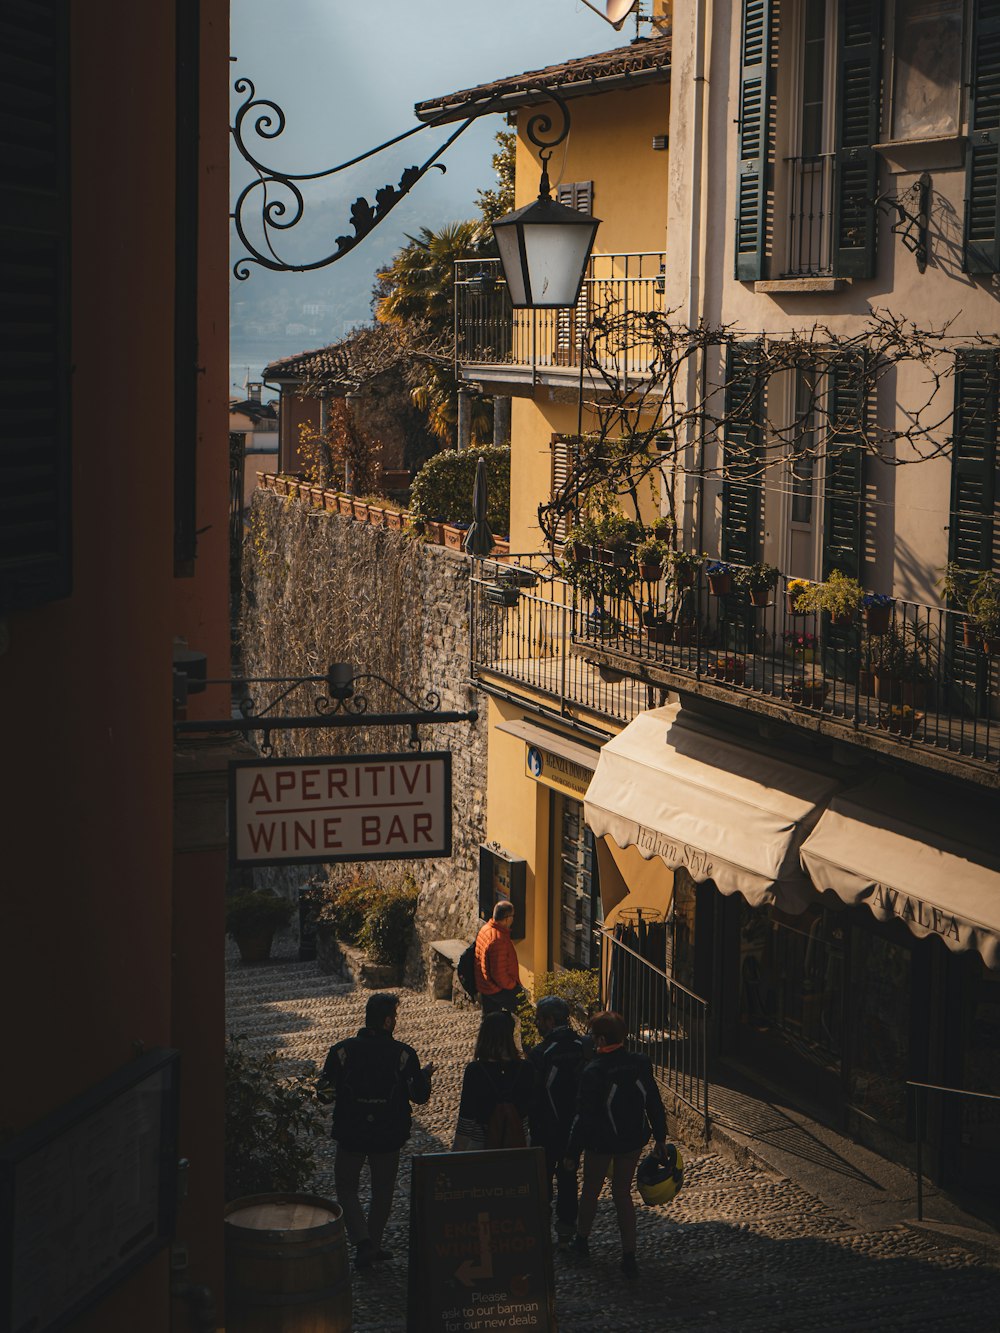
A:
(468, 1272)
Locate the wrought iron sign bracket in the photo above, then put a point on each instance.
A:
(913, 217)
(342, 706)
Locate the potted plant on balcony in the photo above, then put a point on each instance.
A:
(900, 719)
(615, 537)
(794, 589)
(984, 611)
(581, 538)
(729, 668)
(878, 611)
(900, 661)
(651, 555)
(839, 596)
(658, 627)
(684, 565)
(757, 581)
(799, 645)
(810, 689)
(720, 578)
(956, 585)
(252, 919)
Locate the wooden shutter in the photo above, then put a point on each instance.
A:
(35, 536)
(859, 104)
(843, 490)
(564, 454)
(570, 322)
(742, 455)
(753, 180)
(974, 459)
(982, 183)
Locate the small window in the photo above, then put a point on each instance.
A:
(927, 68)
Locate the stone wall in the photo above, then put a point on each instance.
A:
(320, 588)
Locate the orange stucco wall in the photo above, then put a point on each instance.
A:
(95, 970)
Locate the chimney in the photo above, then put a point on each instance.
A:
(253, 391)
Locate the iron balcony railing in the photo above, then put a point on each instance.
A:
(665, 1021)
(622, 288)
(919, 679)
(810, 215)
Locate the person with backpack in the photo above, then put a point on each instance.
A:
(498, 976)
(498, 1089)
(373, 1079)
(618, 1104)
(558, 1059)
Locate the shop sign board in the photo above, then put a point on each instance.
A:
(372, 807)
(480, 1243)
(553, 770)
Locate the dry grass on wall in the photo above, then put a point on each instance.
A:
(319, 589)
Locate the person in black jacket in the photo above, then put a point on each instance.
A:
(373, 1079)
(558, 1059)
(617, 1106)
(496, 1076)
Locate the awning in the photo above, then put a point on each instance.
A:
(676, 788)
(911, 855)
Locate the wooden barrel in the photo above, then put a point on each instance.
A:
(287, 1265)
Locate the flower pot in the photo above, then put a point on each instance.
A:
(651, 573)
(434, 531)
(255, 948)
(500, 594)
(582, 553)
(809, 693)
(790, 599)
(393, 519)
(279, 485)
(360, 508)
(660, 633)
(501, 546)
(866, 681)
(760, 596)
(734, 674)
(317, 495)
(330, 501)
(888, 689)
(844, 621)
(719, 585)
(683, 576)
(903, 725)
(991, 645)
(453, 537)
(968, 634)
(346, 505)
(376, 516)
(877, 619)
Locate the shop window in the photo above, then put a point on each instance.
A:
(579, 892)
(681, 936)
(881, 992)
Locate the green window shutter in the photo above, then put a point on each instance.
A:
(752, 181)
(974, 459)
(843, 490)
(565, 451)
(982, 180)
(572, 322)
(859, 102)
(35, 534)
(742, 455)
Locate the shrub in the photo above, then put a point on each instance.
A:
(840, 596)
(442, 489)
(269, 1122)
(256, 913)
(579, 987)
(377, 917)
(343, 904)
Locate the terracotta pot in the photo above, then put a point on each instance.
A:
(317, 495)
(968, 634)
(582, 553)
(683, 576)
(501, 546)
(877, 619)
(790, 599)
(330, 501)
(842, 622)
(719, 585)
(991, 646)
(760, 596)
(393, 520)
(453, 537)
(888, 689)
(734, 675)
(376, 516)
(360, 508)
(660, 633)
(434, 531)
(277, 484)
(346, 505)
(651, 573)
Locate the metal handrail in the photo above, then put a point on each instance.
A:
(920, 1089)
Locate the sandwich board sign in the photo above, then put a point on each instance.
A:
(372, 807)
(480, 1243)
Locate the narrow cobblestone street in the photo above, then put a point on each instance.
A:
(741, 1248)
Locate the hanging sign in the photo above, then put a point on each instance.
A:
(374, 807)
(480, 1246)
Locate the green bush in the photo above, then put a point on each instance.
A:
(442, 489)
(579, 987)
(377, 917)
(256, 913)
(269, 1124)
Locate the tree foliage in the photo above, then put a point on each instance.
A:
(270, 1122)
(495, 202)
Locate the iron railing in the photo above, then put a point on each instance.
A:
(920, 1091)
(665, 1021)
(920, 680)
(810, 216)
(623, 288)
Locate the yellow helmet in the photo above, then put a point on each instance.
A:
(659, 1178)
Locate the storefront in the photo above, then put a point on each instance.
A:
(846, 940)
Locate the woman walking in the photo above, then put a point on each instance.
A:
(498, 1088)
(618, 1105)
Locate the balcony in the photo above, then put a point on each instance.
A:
(913, 690)
(522, 347)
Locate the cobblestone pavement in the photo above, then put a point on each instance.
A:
(739, 1249)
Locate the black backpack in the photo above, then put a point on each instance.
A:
(465, 970)
(373, 1086)
(505, 1128)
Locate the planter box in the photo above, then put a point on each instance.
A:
(501, 546)
(453, 537)
(499, 595)
(360, 508)
(278, 484)
(434, 531)
(255, 948)
(317, 495)
(660, 633)
(760, 596)
(892, 690)
(330, 501)
(720, 585)
(393, 519)
(376, 516)
(346, 505)
(732, 675)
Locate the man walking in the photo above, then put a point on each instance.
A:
(373, 1079)
(498, 978)
(558, 1058)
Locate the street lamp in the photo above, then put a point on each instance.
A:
(545, 246)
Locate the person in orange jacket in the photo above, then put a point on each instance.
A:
(498, 979)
